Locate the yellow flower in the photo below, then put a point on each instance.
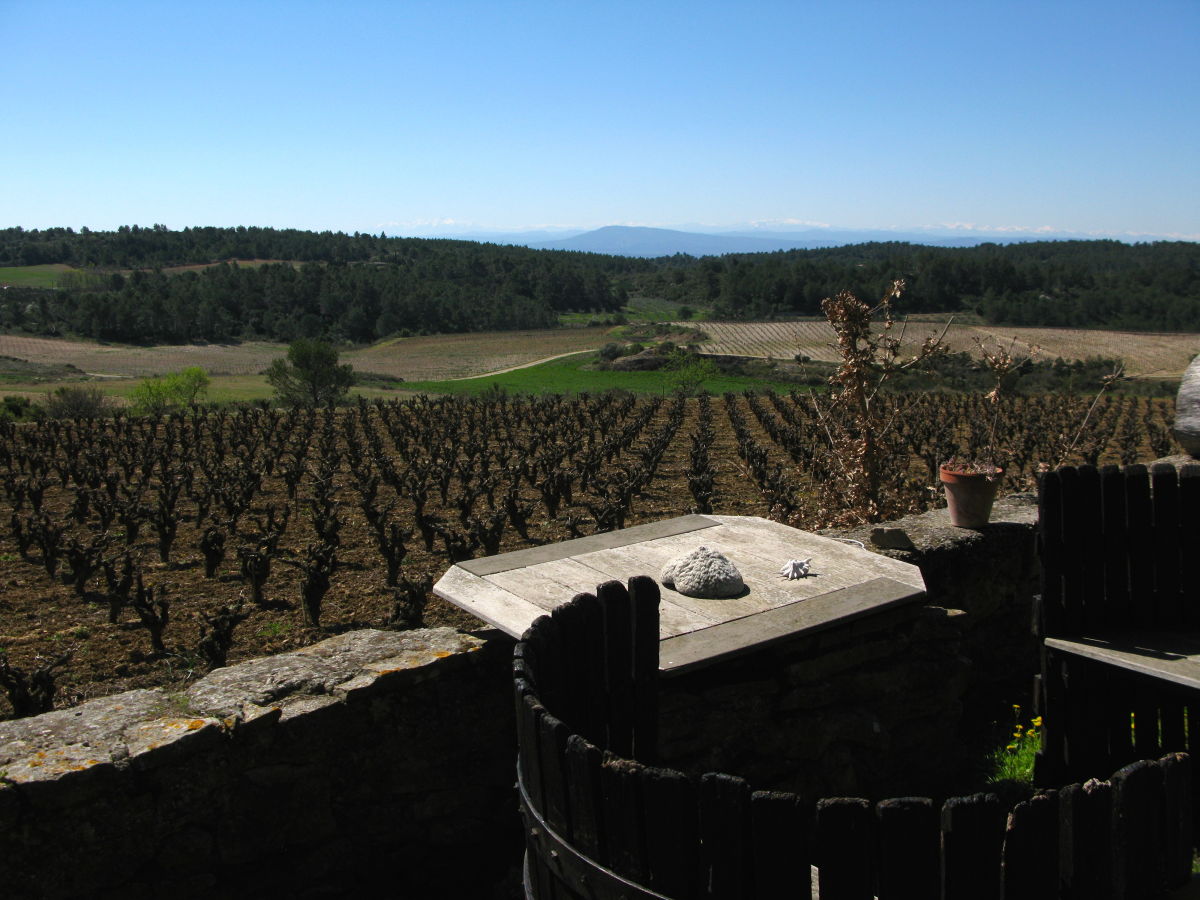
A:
(1036, 721)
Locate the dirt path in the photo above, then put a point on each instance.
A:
(536, 362)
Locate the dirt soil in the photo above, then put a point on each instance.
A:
(42, 618)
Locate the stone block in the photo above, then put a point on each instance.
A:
(99, 724)
(62, 777)
(168, 741)
(1187, 410)
(321, 668)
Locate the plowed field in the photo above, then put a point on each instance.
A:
(1146, 354)
(428, 358)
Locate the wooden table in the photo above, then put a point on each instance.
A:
(846, 582)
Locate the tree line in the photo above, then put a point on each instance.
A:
(1081, 284)
(362, 287)
(431, 287)
(134, 246)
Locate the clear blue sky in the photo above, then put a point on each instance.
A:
(1081, 116)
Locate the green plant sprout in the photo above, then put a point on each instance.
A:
(274, 629)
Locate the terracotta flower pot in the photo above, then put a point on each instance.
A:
(969, 495)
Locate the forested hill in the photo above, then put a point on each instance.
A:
(343, 287)
(363, 287)
(134, 247)
(1081, 284)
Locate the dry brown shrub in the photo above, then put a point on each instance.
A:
(866, 483)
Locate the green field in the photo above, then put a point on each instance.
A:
(224, 388)
(561, 376)
(568, 375)
(33, 276)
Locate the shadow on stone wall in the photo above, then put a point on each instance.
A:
(364, 764)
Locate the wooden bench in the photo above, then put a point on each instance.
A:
(1119, 616)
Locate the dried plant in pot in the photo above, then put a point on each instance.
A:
(971, 483)
(970, 487)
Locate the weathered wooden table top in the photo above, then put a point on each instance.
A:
(846, 582)
(1165, 655)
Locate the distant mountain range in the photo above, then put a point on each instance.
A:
(623, 240)
(627, 240)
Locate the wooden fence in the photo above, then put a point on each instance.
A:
(1120, 616)
(1115, 546)
(604, 823)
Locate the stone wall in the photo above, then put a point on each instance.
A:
(865, 709)
(371, 759)
(991, 574)
(382, 763)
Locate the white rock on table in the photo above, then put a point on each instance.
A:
(703, 573)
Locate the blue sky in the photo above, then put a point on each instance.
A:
(416, 118)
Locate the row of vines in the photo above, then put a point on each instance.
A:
(146, 551)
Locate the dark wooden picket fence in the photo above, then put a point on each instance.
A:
(1119, 616)
(603, 822)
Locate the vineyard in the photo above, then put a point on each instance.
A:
(138, 552)
(1145, 353)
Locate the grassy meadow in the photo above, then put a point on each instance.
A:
(33, 276)
(565, 375)
(571, 375)
(49, 276)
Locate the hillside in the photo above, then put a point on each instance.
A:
(159, 286)
(1077, 284)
